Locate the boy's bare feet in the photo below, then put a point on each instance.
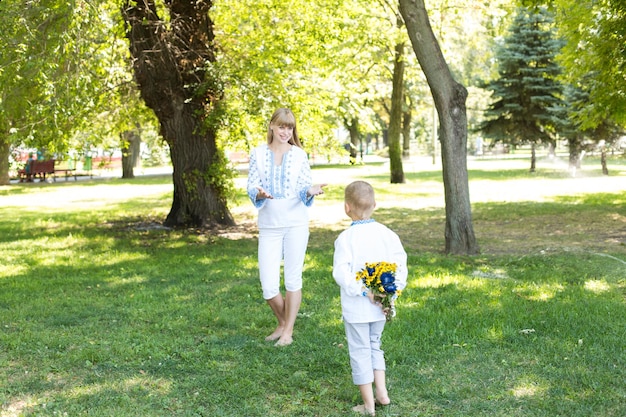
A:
(275, 335)
(383, 400)
(382, 397)
(363, 411)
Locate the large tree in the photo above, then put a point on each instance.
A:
(176, 69)
(449, 97)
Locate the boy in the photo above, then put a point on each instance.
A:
(364, 320)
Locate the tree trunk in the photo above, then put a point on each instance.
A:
(449, 97)
(173, 65)
(605, 169)
(131, 143)
(5, 148)
(575, 150)
(406, 130)
(395, 117)
(353, 129)
(533, 157)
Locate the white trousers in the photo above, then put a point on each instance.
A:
(364, 348)
(286, 244)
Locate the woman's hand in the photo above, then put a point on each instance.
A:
(316, 189)
(262, 194)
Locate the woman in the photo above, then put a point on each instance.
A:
(280, 187)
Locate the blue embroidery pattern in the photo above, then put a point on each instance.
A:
(291, 178)
(354, 223)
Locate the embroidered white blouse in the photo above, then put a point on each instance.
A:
(287, 183)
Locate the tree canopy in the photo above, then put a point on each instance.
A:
(594, 54)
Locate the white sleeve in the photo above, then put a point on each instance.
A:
(342, 268)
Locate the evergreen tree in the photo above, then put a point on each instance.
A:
(526, 107)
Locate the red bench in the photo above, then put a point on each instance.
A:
(41, 169)
(36, 169)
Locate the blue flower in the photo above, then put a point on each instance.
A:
(387, 278)
(390, 288)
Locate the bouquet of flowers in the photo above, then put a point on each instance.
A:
(380, 279)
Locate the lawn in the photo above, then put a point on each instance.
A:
(105, 313)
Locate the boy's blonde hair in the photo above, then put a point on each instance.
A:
(360, 196)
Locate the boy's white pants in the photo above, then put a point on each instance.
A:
(365, 353)
(278, 244)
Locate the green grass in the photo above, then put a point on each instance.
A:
(103, 315)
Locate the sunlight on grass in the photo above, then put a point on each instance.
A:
(243, 262)
(495, 333)
(488, 272)
(124, 281)
(528, 389)
(15, 408)
(114, 257)
(311, 263)
(536, 292)
(435, 281)
(149, 386)
(597, 286)
(12, 269)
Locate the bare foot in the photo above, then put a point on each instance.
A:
(276, 335)
(363, 411)
(383, 400)
(284, 341)
(382, 396)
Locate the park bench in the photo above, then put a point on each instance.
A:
(37, 169)
(42, 168)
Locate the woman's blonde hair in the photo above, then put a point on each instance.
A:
(360, 196)
(284, 117)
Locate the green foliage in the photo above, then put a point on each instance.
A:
(324, 65)
(218, 176)
(594, 55)
(31, 101)
(65, 76)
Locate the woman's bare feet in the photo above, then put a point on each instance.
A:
(363, 411)
(275, 335)
(284, 341)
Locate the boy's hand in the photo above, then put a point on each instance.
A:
(375, 298)
(390, 311)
